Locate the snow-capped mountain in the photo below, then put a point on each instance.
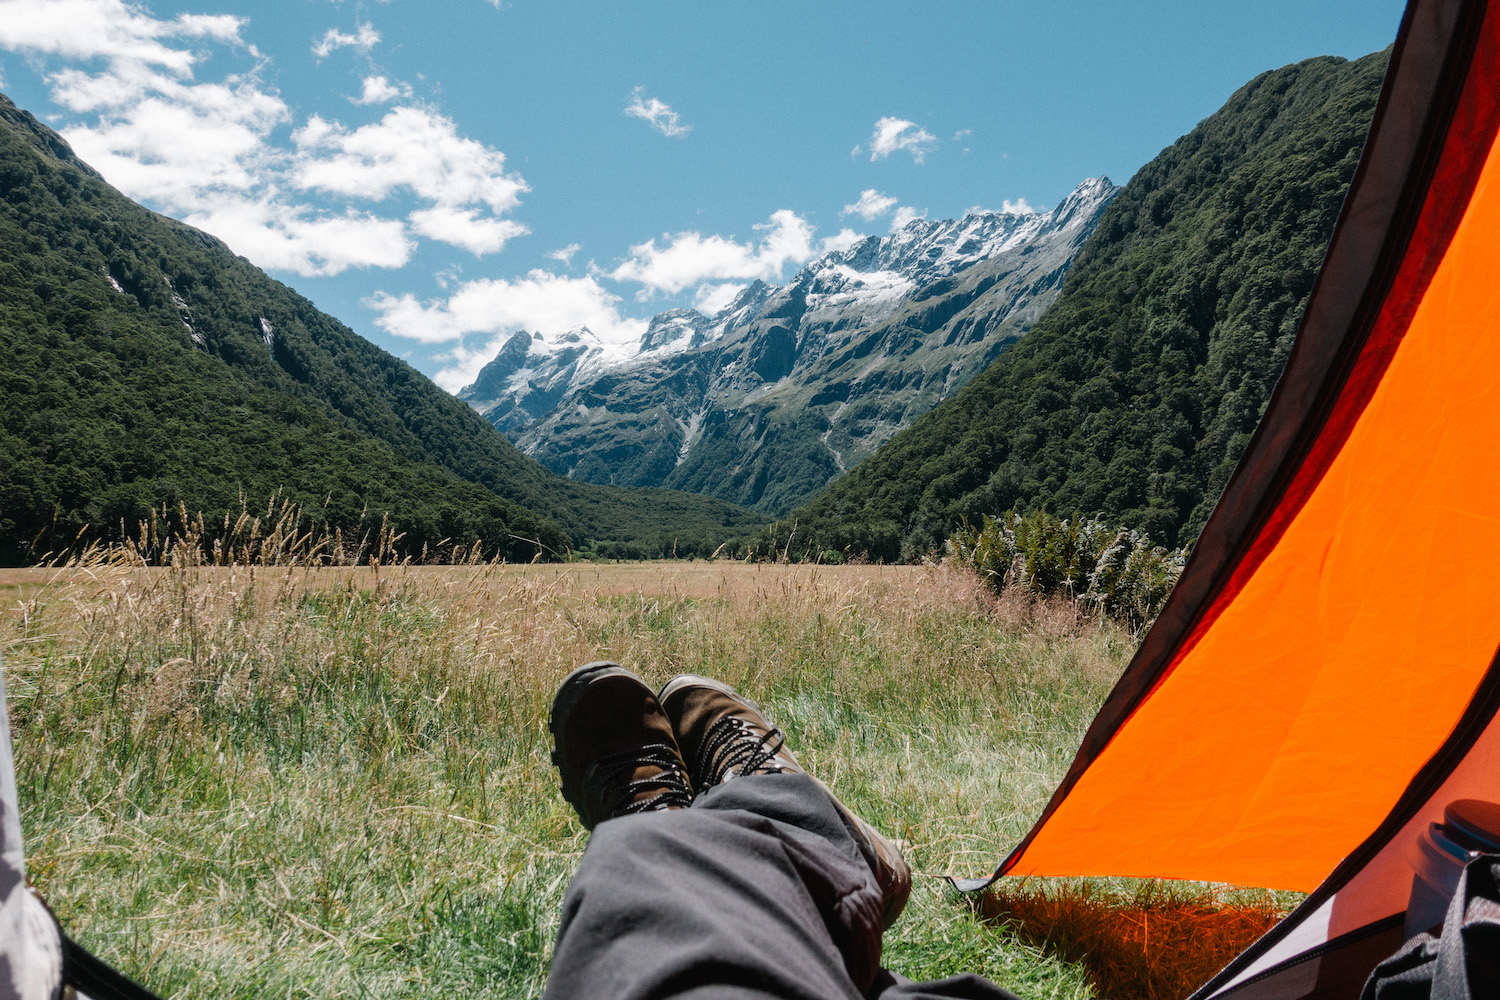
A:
(765, 401)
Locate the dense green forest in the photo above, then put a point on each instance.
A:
(1134, 395)
(143, 364)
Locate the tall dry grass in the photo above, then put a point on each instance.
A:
(242, 777)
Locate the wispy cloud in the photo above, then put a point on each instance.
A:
(894, 135)
(657, 113)
(208, 151)
(365, 38)
(842, 240)
(904, 215)
(540, 302)
(380, 90)
(870, 206)
(711, 299)
(565, 254)
(1018, 207)
(687, 258)
(111, 29)
(419, 151)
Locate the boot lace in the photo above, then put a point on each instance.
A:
(733, 746)
(623, 795)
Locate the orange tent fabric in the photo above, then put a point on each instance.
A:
(1327, 662)
(1287, 728)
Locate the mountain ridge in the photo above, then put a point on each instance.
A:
(768, 399)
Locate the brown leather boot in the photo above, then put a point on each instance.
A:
(724, 735)
(614, 746)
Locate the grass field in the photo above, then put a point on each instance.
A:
(253, 781)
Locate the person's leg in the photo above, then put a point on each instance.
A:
(723, 736)
(756, 892)
(733, 752)
(766, 888)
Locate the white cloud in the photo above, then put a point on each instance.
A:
(160, 139)
(896, 134)
(292, 238)
(962, 134)
(379, 90)
(207, 151)
(110, 29)
(1018, 207)
(657, 113)
(462, 363)
(466, 228)
(689, 257)
(418, 151)
(709, 299)
(870, 206)
(410, 148)
(564, 255)
(365, 38)
(903, 215)
(842, 240)
(541, 302)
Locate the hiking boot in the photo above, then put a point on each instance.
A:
(724, 735)
(614, 746)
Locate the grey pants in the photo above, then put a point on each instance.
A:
(758, 891)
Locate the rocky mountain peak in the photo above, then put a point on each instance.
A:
(924, 250)
(493, 380)
(789, 384)
(1082, 204)
(744, 305)
(675, 328)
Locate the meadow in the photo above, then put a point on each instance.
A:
(243, 778)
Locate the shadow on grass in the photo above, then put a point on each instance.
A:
(1156, 941)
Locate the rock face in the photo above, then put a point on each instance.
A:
(766, 401)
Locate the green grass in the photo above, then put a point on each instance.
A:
(260, 781)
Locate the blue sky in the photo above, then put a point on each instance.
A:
(439, 175)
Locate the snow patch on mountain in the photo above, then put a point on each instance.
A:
(841, 292)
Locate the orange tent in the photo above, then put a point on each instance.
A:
(1324, 677)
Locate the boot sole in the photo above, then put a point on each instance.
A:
(572, 688)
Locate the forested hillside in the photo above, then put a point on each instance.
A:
(1133, 396)
(142, 363)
